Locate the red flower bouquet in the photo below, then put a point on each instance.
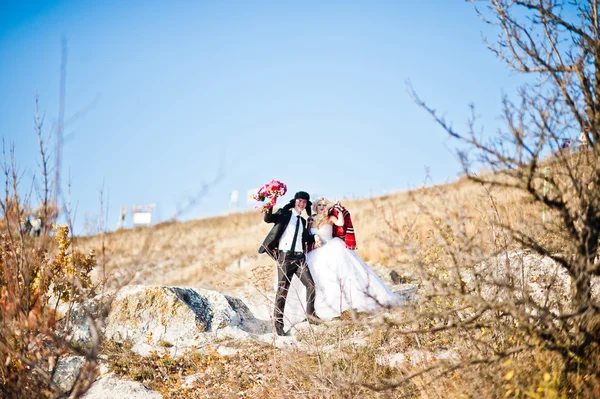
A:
(270, 192)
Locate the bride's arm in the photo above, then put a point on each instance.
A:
(339, 220)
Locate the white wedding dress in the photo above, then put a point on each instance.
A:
(343, 281)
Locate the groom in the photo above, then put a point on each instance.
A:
(286, 243)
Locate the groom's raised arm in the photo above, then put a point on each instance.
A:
(270, 217)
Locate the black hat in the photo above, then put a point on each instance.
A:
(302, 195)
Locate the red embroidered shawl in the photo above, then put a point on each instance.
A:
(345, 232)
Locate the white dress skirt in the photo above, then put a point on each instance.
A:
(342, 280)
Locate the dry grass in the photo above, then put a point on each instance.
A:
(260, 371)
(344, 360)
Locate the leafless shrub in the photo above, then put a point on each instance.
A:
(509, 284)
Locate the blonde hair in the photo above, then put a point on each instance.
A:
(320, 218)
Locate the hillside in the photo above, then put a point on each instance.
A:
(221, 252)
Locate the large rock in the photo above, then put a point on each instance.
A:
(177, 319)
(85, 320)
(111, 387)
(526, 280)
(66, 371)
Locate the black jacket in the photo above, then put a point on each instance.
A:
(281, 218)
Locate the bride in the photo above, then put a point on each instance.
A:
(342, 280)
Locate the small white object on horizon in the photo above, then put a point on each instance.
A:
(142, 215)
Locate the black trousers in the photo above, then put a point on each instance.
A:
(288, 265)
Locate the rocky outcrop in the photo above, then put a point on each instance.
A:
(178, 319)
(161, 319)
(519, 274)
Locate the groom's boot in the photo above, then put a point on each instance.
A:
(280, 331)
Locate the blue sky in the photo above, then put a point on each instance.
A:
(311, 93)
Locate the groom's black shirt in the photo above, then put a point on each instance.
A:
(281, 218)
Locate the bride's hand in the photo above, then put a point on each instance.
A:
(318, 242)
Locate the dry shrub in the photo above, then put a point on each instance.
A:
(36, 277)
(42, 280)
